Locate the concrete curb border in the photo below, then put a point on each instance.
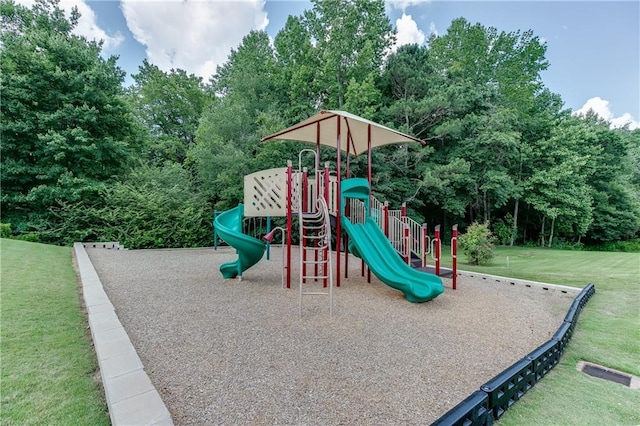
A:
(131, 397)
(526, 283)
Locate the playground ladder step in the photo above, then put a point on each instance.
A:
(312, 249)
(314, 237)
(316, 262)
(314, 277)
(315, 229)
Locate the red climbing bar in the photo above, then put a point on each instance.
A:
(425, 244)
(289, 220)
(454, 253)
(437, 249)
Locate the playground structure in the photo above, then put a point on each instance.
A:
(387, 241)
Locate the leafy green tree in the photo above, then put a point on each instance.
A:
(351, 38)
(616, 211)
(248, 75)
(509, 62)
(470, 94)
(413, 92)
(296, 71)
(152, 207)
(156, 207)
(362, 98)
(228, 137)
(557, 188)
(447, 185)
(169, 106)
(534, 124)
(65, 127)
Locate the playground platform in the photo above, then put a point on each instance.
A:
(237, 352)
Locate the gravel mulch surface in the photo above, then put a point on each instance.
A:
(237, 352)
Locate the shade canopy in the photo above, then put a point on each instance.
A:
(354, 132)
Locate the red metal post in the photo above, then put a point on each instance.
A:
(454, 254)
(302, 192)
(425, 244)
(289, 220)
(338, 201)
(437, 249)
(405, 233)
(347, 209)
(407, 247)
(385, 218)
(369, 156)
(326, 199)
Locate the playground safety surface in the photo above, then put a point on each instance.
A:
(237, 352)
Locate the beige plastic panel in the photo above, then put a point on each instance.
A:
(265, 193)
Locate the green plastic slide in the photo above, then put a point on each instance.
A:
(250, 250)
(368, 242)
(372, 246)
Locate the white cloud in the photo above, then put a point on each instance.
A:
(601, 108)
(87, 24)
(408, 31)
(196, 36)
(432, 29)
(404, 4)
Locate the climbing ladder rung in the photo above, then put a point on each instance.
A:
(316, 262)
(314, 237)
(315, 229)
(312, 249)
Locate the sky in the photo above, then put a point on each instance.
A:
(593, 47)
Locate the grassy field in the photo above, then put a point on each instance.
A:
(608, 333)
(47, 362)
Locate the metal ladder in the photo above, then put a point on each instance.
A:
(315, 251)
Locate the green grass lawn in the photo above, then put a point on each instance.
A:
(607, 333)
(47, 362)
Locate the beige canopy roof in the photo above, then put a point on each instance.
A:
(354, 132)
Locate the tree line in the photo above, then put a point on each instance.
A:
(86, 158)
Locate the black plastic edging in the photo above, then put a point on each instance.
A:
(574, 311)
(544, 359)
(498, 394)
(509, 386)
(563, 335)
(474, 410)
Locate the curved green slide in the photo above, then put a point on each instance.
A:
(368, 242)
(250, 250)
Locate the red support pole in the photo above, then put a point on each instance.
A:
(302, 192)
(369, 156)
(385, 218)
(407, 248)
(425, 244)
(454, 254)
(289, 220)
(405, 233)
(369, 178)
(327, 182)
(338, 202)
(437, 249)
(347, 208)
